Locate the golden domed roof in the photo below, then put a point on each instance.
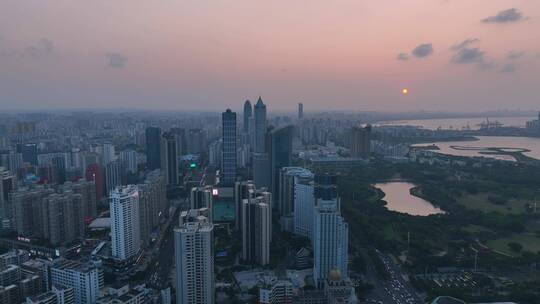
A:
(334, 275)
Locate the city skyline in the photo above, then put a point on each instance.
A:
(450, 55)
(283, 152)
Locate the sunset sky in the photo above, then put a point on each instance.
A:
(465, 55)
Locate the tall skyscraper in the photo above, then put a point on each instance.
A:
(153, 148)
(261, 157)
(125, 226)
(330, 231)
(280, 152)
(86, 279)
(300, 110)
(194, 257)
(296, 197)
(262, 171)
(129, 157)
(260, 126)
(228, 161)
(248, 112)
(242, 191)
(115, 175)
(181, 142)
(360, 142)
(169, 158)
(257, 228)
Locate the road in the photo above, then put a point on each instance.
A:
(395, 290)
(163, 261)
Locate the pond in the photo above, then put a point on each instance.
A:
(399, 198)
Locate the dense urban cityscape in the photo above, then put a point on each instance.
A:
(270, 152)
(258, 208)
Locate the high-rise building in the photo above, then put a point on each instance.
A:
(152, 203)
(94, 173)
(86, 279)
(300, 110)
(215, 153)
(181, 142)
(62, 217)
(12, 161)
(153, 148)
(296, 198)
(125, 226)
(194, 257)
(257, 228)
(242, 191)
(129, 157)
(248, 112)
(42, 213)
(330, 231)
(88, 195)
(108, 153)
(262, 171)
(115, 175)
(360, 142)
(169, 158)
(260, 126)
(29, 153)
(201, 197)
(196, 141)
(304, 205)
(59, 162)
(228, 160)
(7, 185)
(246, 140)
(28, 213)
(280, 152)
(261, 157)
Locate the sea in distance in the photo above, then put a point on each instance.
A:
(469, 123)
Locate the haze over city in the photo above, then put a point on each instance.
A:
(455, 55)
(270, 152)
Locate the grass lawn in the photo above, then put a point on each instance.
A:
(476, 229)
(481, 202)
(529, 241)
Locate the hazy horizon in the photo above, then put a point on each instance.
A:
(452, 55)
